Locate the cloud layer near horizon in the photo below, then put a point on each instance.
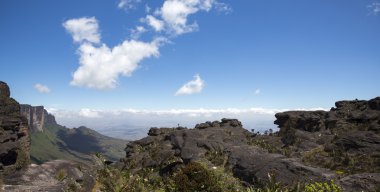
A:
(252, 118)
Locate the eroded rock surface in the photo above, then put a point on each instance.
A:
(14, 134)
(52, 176)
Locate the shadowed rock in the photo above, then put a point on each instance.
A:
(14, 134)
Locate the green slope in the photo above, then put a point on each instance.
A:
(78, 144)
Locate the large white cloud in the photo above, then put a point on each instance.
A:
(83, 29)
(100, 66)
(42, 88)
(194, 86)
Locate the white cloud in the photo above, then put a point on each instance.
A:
(83, 29)
(147, 8)
(42, 88)
(128, 4)
(257, 92)
(194, 86)
(374, 8)
(175, 14)
(136, 33)
(100, 66)
(89, 113)
(155, 23)
(222, 7)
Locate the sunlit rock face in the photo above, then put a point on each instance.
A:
(14, 134)
(37, 117)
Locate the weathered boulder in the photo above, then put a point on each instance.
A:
(14, 134)
(57, 175)
(361, 182)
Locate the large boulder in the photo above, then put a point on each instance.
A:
(14, 134)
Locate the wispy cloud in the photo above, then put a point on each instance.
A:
(89, 113)
(257, 92)
(153, 22)
(374, 8)
(42, 88)
(128, 4)
(136, 33)
(194, 86)
(83, 29)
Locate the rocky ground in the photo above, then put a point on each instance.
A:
(341, 144)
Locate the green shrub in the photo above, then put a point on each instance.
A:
(323, 187)
(216, 157)
(61, 175)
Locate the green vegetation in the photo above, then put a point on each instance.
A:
(61, 175)
(58, 142)
(216, 157)
(194, 176)
(340, 161)
(264, 145)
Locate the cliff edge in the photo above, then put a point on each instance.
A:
(14, 134)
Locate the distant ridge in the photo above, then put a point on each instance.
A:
(51, 141)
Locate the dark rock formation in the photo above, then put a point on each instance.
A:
(341, 144)
(345, 139)
(14, 134)
(37, 117)
(225, 144)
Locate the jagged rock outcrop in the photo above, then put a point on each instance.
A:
(345, 139)
(37, 117)
(14, 134)
(225, 144)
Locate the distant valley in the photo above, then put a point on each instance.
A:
(50, 141)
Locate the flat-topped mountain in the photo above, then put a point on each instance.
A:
(37, 117)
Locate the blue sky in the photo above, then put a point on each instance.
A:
(198, 54)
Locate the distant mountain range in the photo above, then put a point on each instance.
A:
(50, 141)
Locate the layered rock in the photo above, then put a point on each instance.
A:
(37, 117)
(14, 133)
(345, 139)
